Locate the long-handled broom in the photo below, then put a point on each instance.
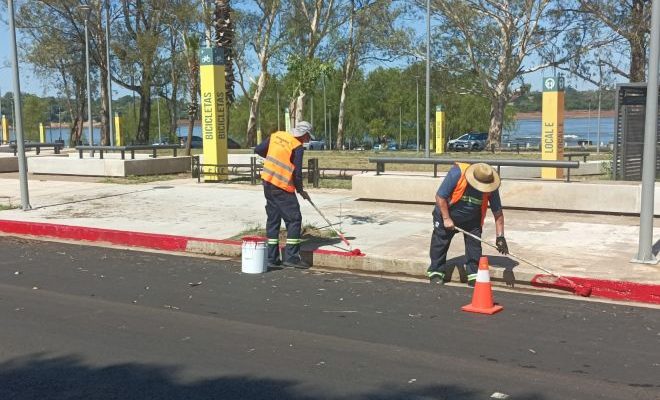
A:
(356, 252)
(582, 290)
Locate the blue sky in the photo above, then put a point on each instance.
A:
(28, 82)
(31, 84)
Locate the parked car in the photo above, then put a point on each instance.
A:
(475, 141)
(197, 142)
(314, 145)
(393, 146)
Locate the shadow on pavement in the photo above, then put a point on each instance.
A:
(40, 377)
(105, 196)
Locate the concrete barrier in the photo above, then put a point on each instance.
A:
(111, 167)
(8, 163)
(600, 197)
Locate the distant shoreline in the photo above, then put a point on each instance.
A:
(569, 114)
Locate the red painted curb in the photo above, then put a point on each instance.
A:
(616, 290)
(126, 238)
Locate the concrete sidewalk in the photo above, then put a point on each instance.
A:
(394, 237)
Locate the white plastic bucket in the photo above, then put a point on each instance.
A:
(253, 255)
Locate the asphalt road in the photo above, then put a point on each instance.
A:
(94, 323)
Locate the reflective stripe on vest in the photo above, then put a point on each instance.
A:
(459, 191)
(278, 168)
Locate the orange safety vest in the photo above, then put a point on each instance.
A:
(278, 168)
(459, 190)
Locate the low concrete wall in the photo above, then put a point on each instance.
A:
(8, 163)
(607, 197)
(112, 167)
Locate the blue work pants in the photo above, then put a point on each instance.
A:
(282, 205)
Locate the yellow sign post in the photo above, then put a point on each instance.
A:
(552, 127)
(259, 136)
(439, 130)
(42, 133)
(214, 108)
(119, 140)
(5, 130)
(287, 120)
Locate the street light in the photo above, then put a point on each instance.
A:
(428, 79)
(18, 116)
(109, 74)
(417, 111)
(86, 10)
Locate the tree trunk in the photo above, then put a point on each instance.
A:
(341, 116)
(193, 107)
(145, 113)
(105, 133)
(496, 121)
(638, 43)
(252, 124)
(255, 103)
(174, 112)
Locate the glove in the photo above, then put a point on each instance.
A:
(508, 277)
(500, 242)
(305, 195)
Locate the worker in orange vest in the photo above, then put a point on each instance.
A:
(462, 200)
(282, 178)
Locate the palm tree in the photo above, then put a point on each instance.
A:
(224, 38)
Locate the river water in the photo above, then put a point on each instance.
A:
(524, 132)
(575, 129)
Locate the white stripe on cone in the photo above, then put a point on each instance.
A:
(483, 276)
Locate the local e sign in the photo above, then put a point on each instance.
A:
(552, 128)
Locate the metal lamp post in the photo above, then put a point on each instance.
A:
(417, 112)
(85, 9)
(645, 249)
(18, 116)
(109, 74)
(427, 153)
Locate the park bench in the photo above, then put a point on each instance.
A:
(381, 162)
(131, 149)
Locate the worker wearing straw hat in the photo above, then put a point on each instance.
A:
(282, 178)
(463, 200)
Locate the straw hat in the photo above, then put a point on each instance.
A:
(482, 177)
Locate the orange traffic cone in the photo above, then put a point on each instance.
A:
(482, 297)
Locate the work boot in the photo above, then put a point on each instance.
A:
(436, 277)
(471, 282)
(299, 264)
(274, 264)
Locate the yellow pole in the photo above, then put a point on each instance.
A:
(214, 121)
(119, 140)
(439, 130)
(5, 130)
(42, 133)
(259, 135)
(552, 126)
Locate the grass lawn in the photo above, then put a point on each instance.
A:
(134, 180)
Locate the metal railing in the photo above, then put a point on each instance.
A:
(199, 170)
(131, 149)
(380, 163)
(253, 170)
(38, 146)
